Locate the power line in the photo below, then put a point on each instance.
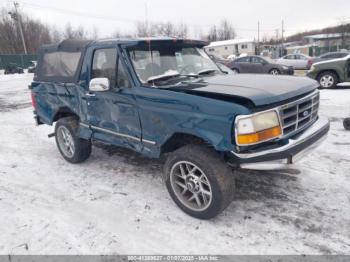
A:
(110, 18)
(82, 14)
(128, 20)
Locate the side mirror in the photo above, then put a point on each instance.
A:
(99, 84)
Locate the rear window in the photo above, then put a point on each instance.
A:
(60, 64)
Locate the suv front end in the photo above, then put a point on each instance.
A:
(278, 137)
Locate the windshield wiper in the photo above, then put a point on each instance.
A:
(162, 77)
(206, 72)
(202, 72)
(175, 74)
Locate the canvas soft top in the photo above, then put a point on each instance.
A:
(61, 62)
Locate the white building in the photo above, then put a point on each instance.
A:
(231, 47)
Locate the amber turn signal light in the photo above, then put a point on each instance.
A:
(260, 136)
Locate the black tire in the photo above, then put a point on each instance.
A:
(82, 147)
(219, 175)
(329, 75)
(235, 70)
(346, 123)
(274, 71)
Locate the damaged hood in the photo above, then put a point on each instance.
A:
(260, 89)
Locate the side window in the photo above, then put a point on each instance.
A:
(289, 57)
(245, 59)
(300, 57)
(257, 60)
(104, 64)
(122, 78)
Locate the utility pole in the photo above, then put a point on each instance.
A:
(15, 16)
(282, 37)
(258, 46)
(146, 18)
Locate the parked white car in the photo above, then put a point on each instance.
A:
(298, 61)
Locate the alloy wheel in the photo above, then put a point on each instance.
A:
(274, 72)
(327, 81)
(191, 186)
(65, 141)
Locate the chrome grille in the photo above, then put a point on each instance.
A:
(300, 114)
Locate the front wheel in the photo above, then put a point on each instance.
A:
(73, 148)
(328, 80)
(274, 71)
(199, 181)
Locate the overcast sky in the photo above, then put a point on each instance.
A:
(109, 15)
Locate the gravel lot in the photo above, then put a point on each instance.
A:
(116, 203)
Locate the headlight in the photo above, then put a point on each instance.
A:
(285, 67)
(257, 128)
(312, 68)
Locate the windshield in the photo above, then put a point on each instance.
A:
(166, 62)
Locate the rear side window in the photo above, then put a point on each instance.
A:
(300, 57)
(257, 60)
(243, 60)
(60, 64)
(104, 64)
(326, 56)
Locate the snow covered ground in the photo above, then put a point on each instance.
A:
(116, 203)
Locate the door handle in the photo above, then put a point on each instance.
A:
(89, 94)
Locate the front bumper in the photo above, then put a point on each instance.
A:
(311, 74)
(295, 149)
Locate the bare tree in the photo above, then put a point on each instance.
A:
(182, 31)
(226, 31)
(166, 29)
(142, 29)
(344, 29)
(35, 34)
(56, 35)
(94, 33)
(71, 33)
(213, 34)
(161, 29)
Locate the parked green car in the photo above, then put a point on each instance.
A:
(332, 72)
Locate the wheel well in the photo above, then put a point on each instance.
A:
(63, 112)
(328, 70)
(179, 140)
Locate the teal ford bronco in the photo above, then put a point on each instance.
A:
(165, 98)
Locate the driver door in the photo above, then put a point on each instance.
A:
(244, 64)
(257, 65)
(112, 114)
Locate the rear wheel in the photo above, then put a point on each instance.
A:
(72, 148)
(199, 181)
(328, 80)
(346, 123)
(274, 71)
